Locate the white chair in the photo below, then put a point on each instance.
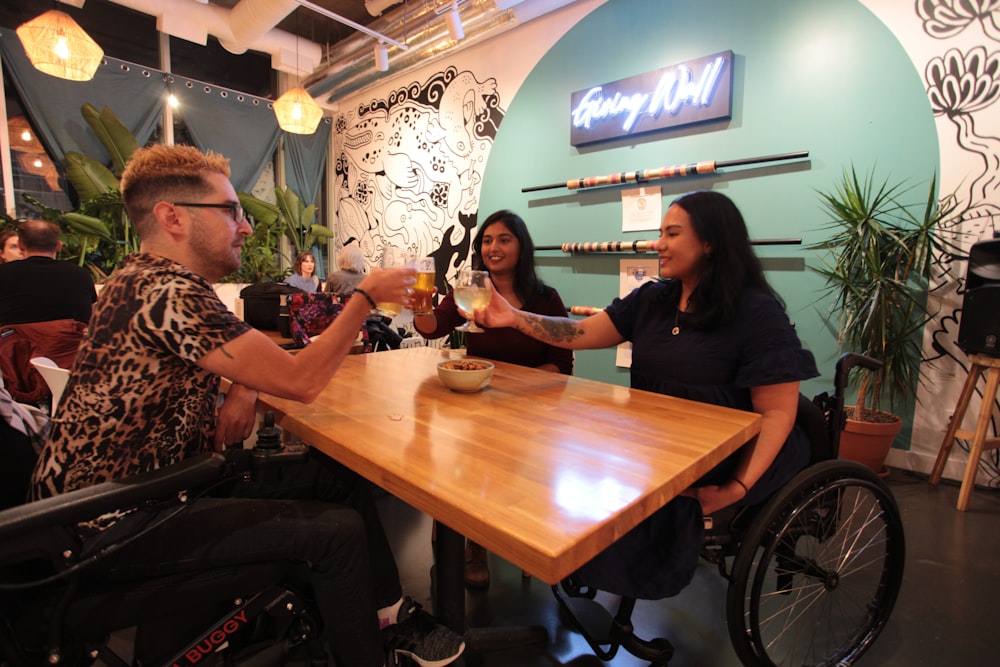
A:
(437, 343)
(54, 376)
(412, 341)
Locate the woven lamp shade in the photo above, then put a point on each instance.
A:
(297, 112)
(56, 45)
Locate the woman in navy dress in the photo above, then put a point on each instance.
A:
(711, 330)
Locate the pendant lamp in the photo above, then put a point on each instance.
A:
(297, 111)
(57, 45)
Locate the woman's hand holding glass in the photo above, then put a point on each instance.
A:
(472, 293)
(497, 313)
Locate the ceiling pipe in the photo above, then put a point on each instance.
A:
(250, 20)
(194, 21)
(347, 66)
(376, 7)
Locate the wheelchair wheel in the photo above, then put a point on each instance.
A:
(818, 572)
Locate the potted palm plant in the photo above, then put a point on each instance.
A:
(877, 267)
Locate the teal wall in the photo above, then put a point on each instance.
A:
(824, 76)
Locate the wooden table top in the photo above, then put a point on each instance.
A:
(545, 470)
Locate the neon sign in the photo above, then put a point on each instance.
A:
(690, 92)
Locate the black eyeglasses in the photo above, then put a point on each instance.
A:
(235, 209)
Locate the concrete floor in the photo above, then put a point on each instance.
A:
(943, 615)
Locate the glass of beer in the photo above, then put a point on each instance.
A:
(393, 258)
(471, 294)
(423, 291)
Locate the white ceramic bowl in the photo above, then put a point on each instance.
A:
(466, 375)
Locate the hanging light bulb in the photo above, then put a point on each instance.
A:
(57, 45)
(297, 111)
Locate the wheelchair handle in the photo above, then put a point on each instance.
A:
(846, 363)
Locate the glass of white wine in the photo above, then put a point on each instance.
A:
(471, 294)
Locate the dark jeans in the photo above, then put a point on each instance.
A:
(317, 513)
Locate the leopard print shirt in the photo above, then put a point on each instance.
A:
(136, 400)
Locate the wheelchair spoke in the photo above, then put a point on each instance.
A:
(820, 584)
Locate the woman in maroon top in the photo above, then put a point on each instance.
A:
(503, 247)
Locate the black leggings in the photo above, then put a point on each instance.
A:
(318, 513)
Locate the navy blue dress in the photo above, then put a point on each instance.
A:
(720, 365)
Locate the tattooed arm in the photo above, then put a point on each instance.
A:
(591, 333)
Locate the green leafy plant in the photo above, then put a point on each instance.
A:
(98, 234)
(877, 268)
(260, 257)
(289, 218)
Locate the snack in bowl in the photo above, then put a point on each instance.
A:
(466, 375)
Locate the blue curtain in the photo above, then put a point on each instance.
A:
(134, 93)
(241, 127)
(305, 157)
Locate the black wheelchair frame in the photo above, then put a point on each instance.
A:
(813, 572)
(52, 613)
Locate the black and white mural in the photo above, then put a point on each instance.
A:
(956, 44)
(408, 168)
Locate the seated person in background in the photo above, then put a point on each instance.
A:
(47, 302)
(714, 331)
(503, 247)
(304, 273)
(144, 393)
(350, 271)
(41, 288)
(10, 247)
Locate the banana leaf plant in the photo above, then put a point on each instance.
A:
(97, 235)
(289, 218)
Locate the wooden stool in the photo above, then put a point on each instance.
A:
(979, 442)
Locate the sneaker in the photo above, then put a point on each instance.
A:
(419, 637)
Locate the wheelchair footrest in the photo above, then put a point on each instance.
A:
(606, 633)
(591, 618)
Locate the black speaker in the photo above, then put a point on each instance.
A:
(979, 330)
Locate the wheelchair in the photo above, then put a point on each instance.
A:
(54, 612)
(813, 572)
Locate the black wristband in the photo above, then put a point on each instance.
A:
(740, 482)
(358, 290)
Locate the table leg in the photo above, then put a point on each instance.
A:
(449, 584)
(449, 602)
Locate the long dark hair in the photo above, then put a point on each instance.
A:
(732, 265)
(527, 284)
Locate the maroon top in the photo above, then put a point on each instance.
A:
(507, 344)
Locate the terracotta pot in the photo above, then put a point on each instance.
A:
(869, 443)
